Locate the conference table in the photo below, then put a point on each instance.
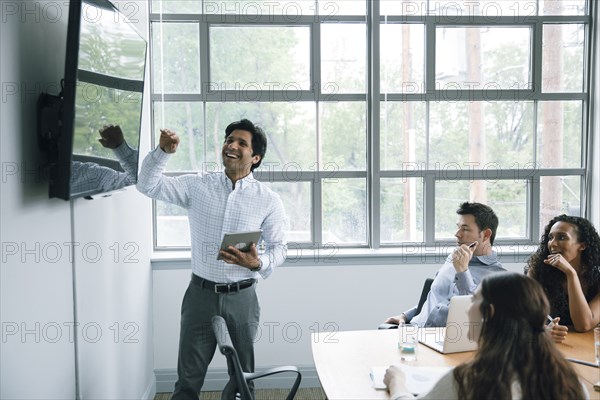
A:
(344, 360)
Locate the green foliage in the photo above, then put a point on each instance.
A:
(344, 135)
(344, 211)
(176, 57)
(112, 49)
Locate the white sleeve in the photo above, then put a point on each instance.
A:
(154, 184)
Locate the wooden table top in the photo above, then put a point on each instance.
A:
(344, 360)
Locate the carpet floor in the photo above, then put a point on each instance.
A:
(261, 394)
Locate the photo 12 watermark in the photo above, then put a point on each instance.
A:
(55, 252)
(61, 332)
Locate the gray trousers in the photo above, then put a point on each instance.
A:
(197, 343)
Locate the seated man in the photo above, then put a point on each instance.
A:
(464, 268)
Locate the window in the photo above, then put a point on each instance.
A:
(382, 116)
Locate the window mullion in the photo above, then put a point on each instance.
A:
(317, 212)
(373, 128)
(536, 59)
(429, 209)
(429, 56)
(204, 58)
(533, 201)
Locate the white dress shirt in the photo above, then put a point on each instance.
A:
(214, 208)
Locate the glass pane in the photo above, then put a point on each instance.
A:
(563, 7)
(334, 8)
(490, 9)
(402, 138)
(176, 6)
(562, 58)
(290, 9)
(508, 199)
(499, 134)
(344, 135)
(402, 58)
(343, 58)
(185, 119)
(282, 65)
(96, 106)
(290, 128)
(172, 226)
(403, 7)
(559, 134)
(296, 198)
(482, 58)
(401, 210)
(110, 47)
(559, 195)
(176, 58)
(344, 211)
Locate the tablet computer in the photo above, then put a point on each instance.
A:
(241, 241)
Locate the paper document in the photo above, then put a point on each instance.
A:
(419, 380)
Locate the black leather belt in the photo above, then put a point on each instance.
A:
(231, 287)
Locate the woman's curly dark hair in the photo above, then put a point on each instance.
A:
(553, 279)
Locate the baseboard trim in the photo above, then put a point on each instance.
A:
(150, 392)
(217, 378)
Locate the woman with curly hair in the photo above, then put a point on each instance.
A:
(515, 360)
(567, 264)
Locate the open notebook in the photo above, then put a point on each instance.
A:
(419, 380)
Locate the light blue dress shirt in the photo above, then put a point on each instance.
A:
(449, 283)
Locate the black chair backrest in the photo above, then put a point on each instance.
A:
(424, 293)
(227, 349)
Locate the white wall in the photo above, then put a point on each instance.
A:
(36, 286)
(38, 357)
(114, 297)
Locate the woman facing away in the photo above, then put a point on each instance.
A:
(567, 264)
(515, 360)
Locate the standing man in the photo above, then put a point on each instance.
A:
(222, 202)
(471, 260)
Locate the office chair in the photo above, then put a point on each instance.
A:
(242, 378)
(424, 293)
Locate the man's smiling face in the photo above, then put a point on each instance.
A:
(237, 154)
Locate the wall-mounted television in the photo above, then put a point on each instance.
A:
(103, 85)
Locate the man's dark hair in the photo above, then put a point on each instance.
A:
(485, 217)
(259, 139)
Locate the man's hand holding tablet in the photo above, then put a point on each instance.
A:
(240, 249)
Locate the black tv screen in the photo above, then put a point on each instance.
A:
(103, 85)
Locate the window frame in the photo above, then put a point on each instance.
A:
(373, 173)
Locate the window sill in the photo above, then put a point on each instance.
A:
(418, 254)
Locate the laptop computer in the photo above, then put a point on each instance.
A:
(454, 337)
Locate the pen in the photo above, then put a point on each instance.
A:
(589, 364)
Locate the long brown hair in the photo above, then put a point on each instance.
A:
(513, 347)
